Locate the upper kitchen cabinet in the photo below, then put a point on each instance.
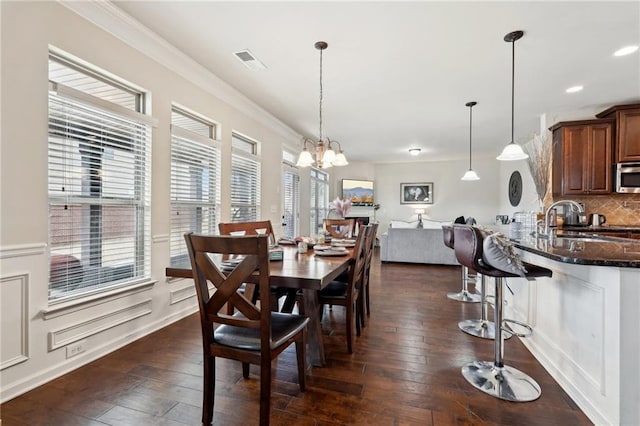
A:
(627, 131)
(582, 157)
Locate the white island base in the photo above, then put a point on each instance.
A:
(586, 322)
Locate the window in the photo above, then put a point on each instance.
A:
(319, 200)
(99, 154)
(290, 196)
(245, 180)
(195, 180)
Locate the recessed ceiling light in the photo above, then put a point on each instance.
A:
(627, 50)
(574, 89)
(414, 151)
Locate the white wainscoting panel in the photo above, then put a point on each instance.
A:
(14, 320)
(81, 330)
(179, 294)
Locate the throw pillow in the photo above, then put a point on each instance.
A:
(459, 219)
(499, 253)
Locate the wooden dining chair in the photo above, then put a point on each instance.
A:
(258, 228)
(347, 294)
(338, 228)
(370, 244)
(253, 335)
(248, 228)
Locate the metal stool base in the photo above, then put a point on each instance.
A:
(505, 382)
(480, 328)
(465, 296)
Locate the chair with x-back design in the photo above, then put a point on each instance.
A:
(254, 334)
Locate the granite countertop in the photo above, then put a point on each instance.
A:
(584, 249)
(603, 228)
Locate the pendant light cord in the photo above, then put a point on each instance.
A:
(470, 127)
(513, 74)
(320, 95)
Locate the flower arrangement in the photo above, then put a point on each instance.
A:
(539, 161)
(341, 207)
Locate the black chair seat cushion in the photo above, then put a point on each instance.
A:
(335, 289)
(283, 327)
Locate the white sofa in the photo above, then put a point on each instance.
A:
(415, 245)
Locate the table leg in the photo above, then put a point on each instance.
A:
(315, 348)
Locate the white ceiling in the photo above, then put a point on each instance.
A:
(397, 75)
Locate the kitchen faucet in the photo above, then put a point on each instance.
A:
(548, 231)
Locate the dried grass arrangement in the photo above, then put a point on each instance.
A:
(539, 161)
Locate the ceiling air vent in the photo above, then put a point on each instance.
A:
(249, 60)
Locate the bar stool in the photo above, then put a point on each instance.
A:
(495, 378)
(482, 327)
(464, 295)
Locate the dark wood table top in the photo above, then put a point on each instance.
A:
(295, 270)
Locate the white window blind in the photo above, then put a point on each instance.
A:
(245, 181)
(291, 201)
(99, 192)
(319, 200)
(195, 181)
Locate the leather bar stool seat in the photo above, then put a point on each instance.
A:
(495, 378)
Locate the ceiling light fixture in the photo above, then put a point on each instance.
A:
(627, 50)
(470, 174)
(325, 156)
(512, 151)
(574, 89)
(415, 151)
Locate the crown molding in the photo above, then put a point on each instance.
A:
(113, 20)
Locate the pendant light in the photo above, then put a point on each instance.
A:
(470, 174)
(512, 151)
(325, 156)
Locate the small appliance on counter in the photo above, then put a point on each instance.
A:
(597, 219)
(574, 218)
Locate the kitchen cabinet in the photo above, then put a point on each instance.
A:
(583, 157)
(627, 140)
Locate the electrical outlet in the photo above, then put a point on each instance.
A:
(76, 348)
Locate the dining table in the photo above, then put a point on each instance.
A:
(307, 271)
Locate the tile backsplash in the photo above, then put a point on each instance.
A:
(620, 209)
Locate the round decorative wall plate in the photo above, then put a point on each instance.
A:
(515, 188)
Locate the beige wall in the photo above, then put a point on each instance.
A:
(452, 196)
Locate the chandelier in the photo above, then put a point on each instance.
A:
(325, 155)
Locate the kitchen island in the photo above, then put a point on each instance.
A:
(586, 320)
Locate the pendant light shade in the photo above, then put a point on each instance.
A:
(470, 174)
(512, 151)
(325, 156)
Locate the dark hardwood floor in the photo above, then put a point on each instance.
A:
(405, 370)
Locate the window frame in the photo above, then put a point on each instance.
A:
(319, 209)
(245, 165)
(96, 148)
(196, 168)
(290, 225)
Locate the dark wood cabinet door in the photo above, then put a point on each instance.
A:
(628, 135)
(575, 155)
(600, 160)
(583, 158)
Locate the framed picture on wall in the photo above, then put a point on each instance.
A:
(416, 193)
